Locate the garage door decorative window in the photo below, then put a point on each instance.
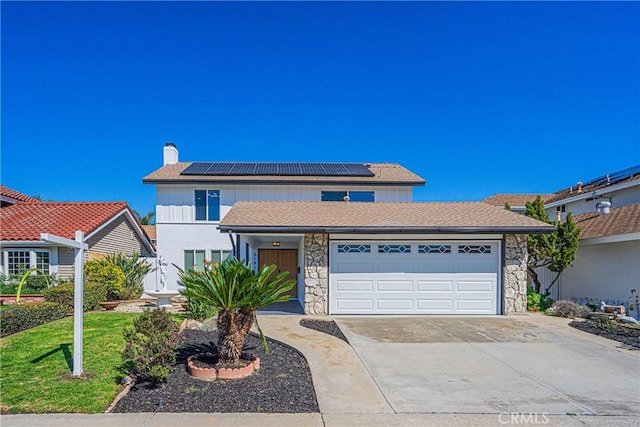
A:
(362, 249)
(394, 249)
(434, 249)
(474, 249)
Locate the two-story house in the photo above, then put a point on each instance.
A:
(349, 233)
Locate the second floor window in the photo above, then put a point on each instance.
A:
(207, 205)
(354, 196)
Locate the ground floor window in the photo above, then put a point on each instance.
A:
(194, 259)
(19, 261)
(217, 256)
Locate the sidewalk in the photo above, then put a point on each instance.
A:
(310, 420)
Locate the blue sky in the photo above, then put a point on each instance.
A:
(477, 98)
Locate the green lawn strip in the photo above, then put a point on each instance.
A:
(36, 366)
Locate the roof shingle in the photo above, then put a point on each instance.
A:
(429, 216)
(385, 173)
(513, 199)
(622, 220)
(25, 221)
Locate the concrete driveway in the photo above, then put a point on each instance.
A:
(516, 364)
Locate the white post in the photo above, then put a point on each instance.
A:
(78, 309)
(78, 290)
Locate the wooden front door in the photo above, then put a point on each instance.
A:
(286, 260)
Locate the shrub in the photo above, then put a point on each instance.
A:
(35, 283)
(94, 294)
(537, 302)
(564, 308)
(603, 322)
(151, 346)
(200, 310)
(110, 276)
(134, 270)
(20, 317)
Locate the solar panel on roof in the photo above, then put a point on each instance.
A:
(276, 169)
(615, 177)
(290, 169)
(197, 168)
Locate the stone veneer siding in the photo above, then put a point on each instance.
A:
(316, 273)
(515, 274)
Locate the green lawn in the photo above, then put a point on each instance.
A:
(36, 366)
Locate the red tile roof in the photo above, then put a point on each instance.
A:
(622, 220)
(25, 221)
(13, 194)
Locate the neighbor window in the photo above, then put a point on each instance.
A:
(217, 256)
(561, 208)
(207, 205)
(194, 260)
(354, 196)
(23, 260)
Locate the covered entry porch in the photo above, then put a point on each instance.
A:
(287, 253)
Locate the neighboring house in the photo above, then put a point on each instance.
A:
(10, 197)
(348, 233)
(607, 209)
(108, 227)
(151, 232)
(516, 202)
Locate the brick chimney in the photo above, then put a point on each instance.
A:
(169, 154)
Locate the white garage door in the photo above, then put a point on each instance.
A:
(414, 277)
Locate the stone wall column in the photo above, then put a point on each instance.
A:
(514, 291)
(316, 273)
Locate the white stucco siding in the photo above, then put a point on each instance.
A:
(175, 203)
(606, 271)
(174, 239)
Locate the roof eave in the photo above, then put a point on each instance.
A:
(288, 182)
(386, 230)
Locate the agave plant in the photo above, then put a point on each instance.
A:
(237, 292)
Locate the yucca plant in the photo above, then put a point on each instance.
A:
(134, 269)
(237, 292)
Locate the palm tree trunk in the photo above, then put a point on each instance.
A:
(233, 327)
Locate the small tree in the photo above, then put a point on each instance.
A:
(556, 251)
(237, 292)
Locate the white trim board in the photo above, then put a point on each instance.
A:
(611, 239)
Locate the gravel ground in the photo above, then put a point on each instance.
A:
(282, 385)
(628, 336)
(328, 327)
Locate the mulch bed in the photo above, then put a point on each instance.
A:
(327, 327)
(628, 336)
(281, 385)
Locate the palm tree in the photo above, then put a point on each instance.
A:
(146, 219)
(237, 292)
